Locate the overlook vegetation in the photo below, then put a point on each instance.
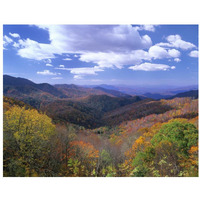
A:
(99, 136)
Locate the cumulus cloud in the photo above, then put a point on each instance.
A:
(48, 61)
(111, 60)
(174, 53)
(107, 46)
(16, 45)
(79, 73)
(83, 70)
(34, 50)
(76, 77)
(194, 54)
(151, 67)
(146, 27)
(6, 41)
(118, 60)
(158, 52)
(95, 38)
(47, 72)
(173, 67)
(177, 42)
(15, 35)
(81, 39)
(49, 65)
(177, 60)
(68, 59)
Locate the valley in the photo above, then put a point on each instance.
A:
(97, 131)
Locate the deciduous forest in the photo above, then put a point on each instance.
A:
(98, 135)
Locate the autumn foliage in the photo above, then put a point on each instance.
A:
(153, 145)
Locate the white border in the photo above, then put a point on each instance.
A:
(97, 12)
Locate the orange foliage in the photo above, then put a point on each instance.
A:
(80, 148)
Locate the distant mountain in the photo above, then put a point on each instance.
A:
(35, 94)
(29, 92)
(156, 96)
(75, 91)
(88, 107)
(109, 87)
(80, 91)
(132, 90)
(12, 81)
(112, 92)
(191, 93)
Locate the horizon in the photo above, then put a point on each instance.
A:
(131, 55)
(166, 87)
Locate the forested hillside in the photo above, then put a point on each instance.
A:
(37, 94)
(98, 135)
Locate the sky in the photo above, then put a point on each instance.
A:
(142, 55)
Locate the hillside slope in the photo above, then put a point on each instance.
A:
(191, 93)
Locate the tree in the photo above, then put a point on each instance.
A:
(83, 157)
(26, 147)
(173, 151)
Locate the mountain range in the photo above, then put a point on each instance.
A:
(86, 106)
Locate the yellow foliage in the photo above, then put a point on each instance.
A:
(27, 124)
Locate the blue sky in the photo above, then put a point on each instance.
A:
(95, 54)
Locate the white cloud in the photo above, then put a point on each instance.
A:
(34, 50)
(177, 42)
(49, 65)
(146, 27)
(174, 53)
(194, 54)
(96, 38)
(76, 56)
(81, 39)
(158, 52)
(151, 67)
(47, 72)
(79, 73)
(6, 40)
(118, 60)
(48, 61)
(111, 60)
(16, 45)
(61, 66)
(76, 77)
(173, 67)
(57, 78)
(15, 35)
(177, 59)
(67, 59)
(83, 70)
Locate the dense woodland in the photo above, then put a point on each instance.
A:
(99, 136)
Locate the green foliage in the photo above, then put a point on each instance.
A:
(168, 152)
(105, 158)
(182, 135)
